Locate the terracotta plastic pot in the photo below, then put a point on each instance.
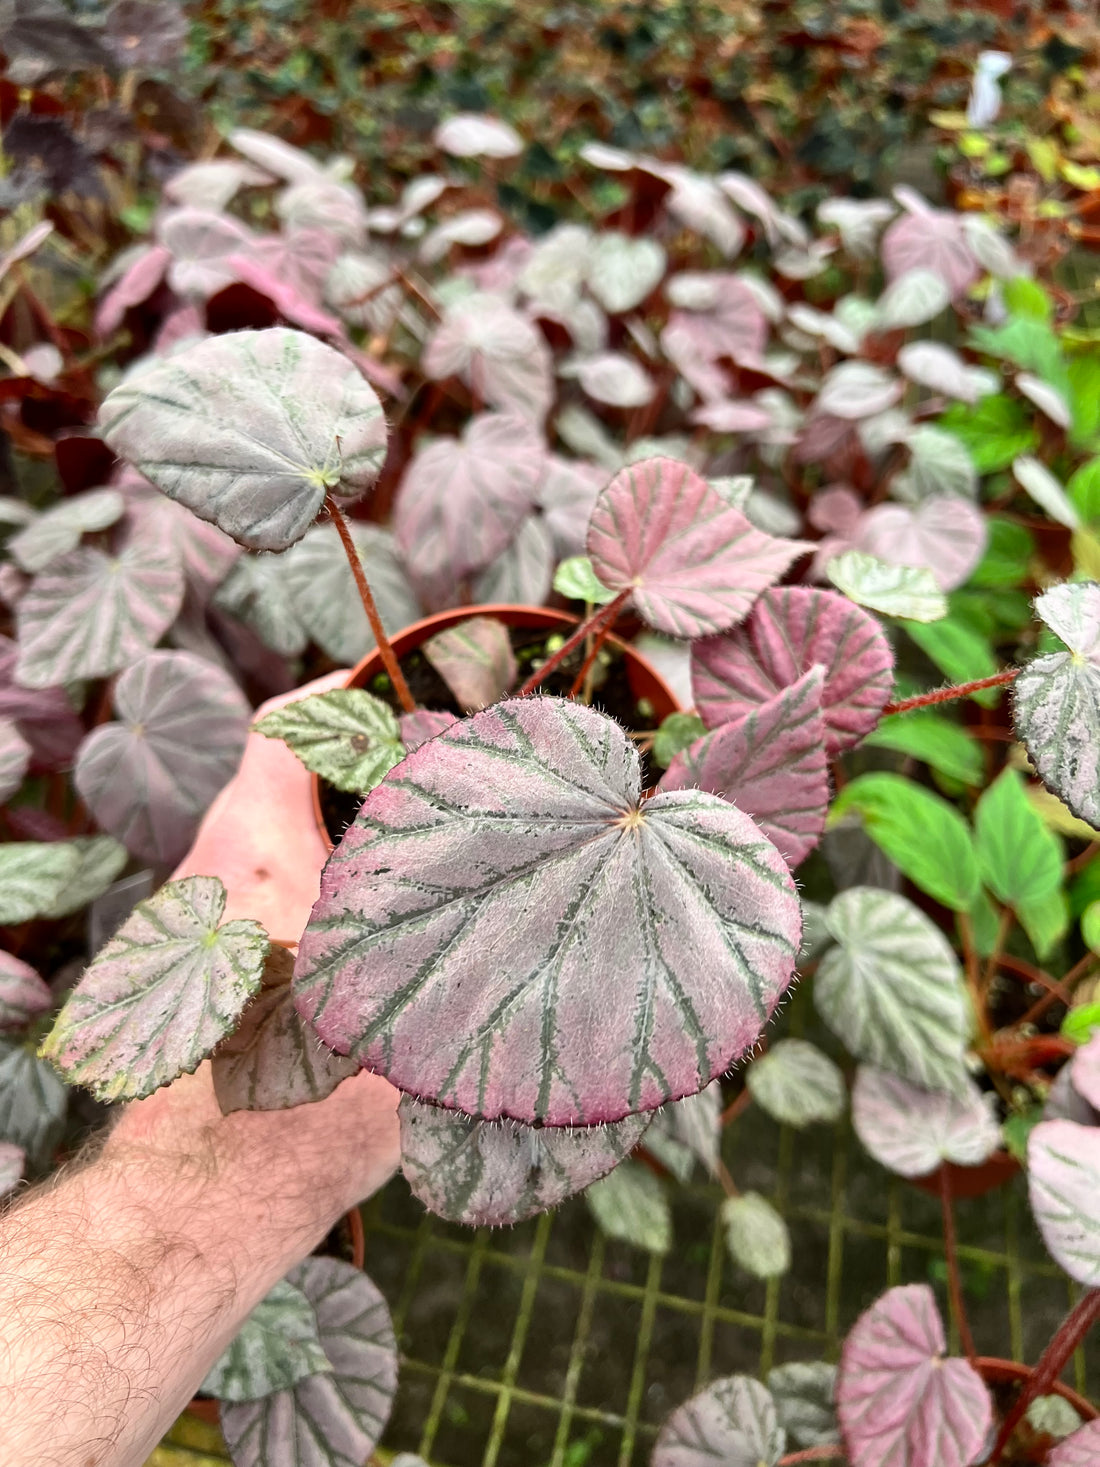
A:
(1007, 1372)
(644, 680)
(972, 1181)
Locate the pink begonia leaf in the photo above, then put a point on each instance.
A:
(689, 345)
(149, 778)
(835, 510)
(694, 565)
(527, 819)
(613, 378)
(475, 660)
(323, 595)
(44, 716)
(137, 283)
(502, 357)
(855, 390)
(423, 724)
(1063, 1179)
(900, 1401)
(302, 258)
(160, 995)
(931, 240)
(200, 244)
(792, 628)
(13, 1160)
(737, 326)
(732, 417)
(912, 1131)
(15, 758)
(274, 156)
(332, 1419)
(523, 571)
(23, 994)
(699, 203)
(462, 500)
(733, 1423)
(771, 764)
(206, 553)
(566, 496)
(1085, 1071)
(824, 437)
(490, 1173)
(945, 534)
(178, 325)
(1082, 1449)
(213, 183)
(289, 300)
(323, 205)
(933, 365)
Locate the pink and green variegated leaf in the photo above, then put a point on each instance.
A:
(771, 764)
(333, 1419)
(276, 1347)
(1056, 700)
(15, 758)
(166, 988)
(647, 942)
(1063, 1178)
(521, 575)
(60, 528)
(271, 1061)
(462, 500)
(694, 564)
(1082, 1449)
(323, 595)
(23, 994)
(930, 240)
(475, 660)
(489, 1173)
(566, 497)
(731, 1424)
(900, 1401)
(501, 356)
(945, 534)
(792, 629)
(423, 724)
(143, 273)
(251, 430)
(912, 1131)
(89, 614)
(44, 716)
(150, 777)
(13, 1159)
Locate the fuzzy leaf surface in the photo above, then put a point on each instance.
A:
(23, 993)
(347, 736)
(527, 819)
(475, 660)
(1063, 1180)
(895, 590)
(631, 1204)
(278, 1345)
(157, 998)
(756, 1235)
(732, 1423)
(912, 1130)
(797, 1084)
(33, 877)
(694, 564)
(804, 1393)
(423, 724)
(251, 430)
(323, 594)
(1082, 1449)
(33, 1101)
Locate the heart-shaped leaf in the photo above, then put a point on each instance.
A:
(732, 1422)
(461, 501)
(33, 876)
(756, 1235)
(477, 135)
(100, 860)
(933, 365)
(529, 815)
(791, 630)
(676, 734)
(575, 579)
(912, 1131)
(1047, 491)
(522, 573)
(622, 271)
(1082, 1449)
(23, 994)
(470, 227)
(693, 564)
(631, 1205)
(59, 530)
(1063, 1178)
(566, 497)
(278, 1346)
(334, 1419)
(15, 758)
(804, 1393)
(501, 356)
(251, 430)
(43, 716)
(1019, 857)
(271, 1061)
(930, 240)
(892, 989)
(423, 724)
(201, 244)
(857, 390)
(255, 591)
(797, 1084)
(769, 763)
(901, 1402)
(150, 777)
(89, 614)
(475, 660)
(33, 1101)
(160, 994)
(347, 736)
(1056, 699)
(938, 464)
(13, 1160)
(613, 378)
(895, 590)
(488, 1173)
(911, 300)
(946, 535)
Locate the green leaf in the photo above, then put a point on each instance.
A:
(1090, 926)
(33, 1102)
(1020, 860)
(1010, 550)
(1084, 398)
(986, 922)
(1045, 920)
(1026, 297)
(797, 1084)
(1083, 490)
(962, 654)
(1081, 1023)
(277, 1346)
(894, 590)
(676, 733)
(756, 1235)
(1026, 343)
(100, 859)
(804, 1393)
(630, 1204)
(347, 736)
(995, 430)
(33, 878)
(939, 743)
(922, 834)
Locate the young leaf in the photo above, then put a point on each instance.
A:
(792, 629)
(475, 660)
(1053, 1416)
(892, 989)
(323, 593)
(1018, 857)
(1082, 1449)
(575, 579)
(1084, 1070)
(630, 1204)
(251, 430)
(910, 592)
(89, 614)
(278, 1345)
(912, 1131)
(939, 743)
(804, 1393)
(797, 1084)
(756, 1235)
(23, 994)
(33, 1101)
(676, 733)
(900, 1401)
(59, 530)
(771, 764)
(501, 356)
(527, 818)
(13, 1159)
(347, 736)
(693, 564)
(622, 271)
(1056, 699)
(421, 725)
(489, 1173)
(33, 877)
(101, 859)
(333, 1419)
(166, 988)
(945, 534)
(150, 777)
(921, 833)
(732, 1423)
(1063, 1179)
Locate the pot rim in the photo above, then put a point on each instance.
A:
(994, 1367)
